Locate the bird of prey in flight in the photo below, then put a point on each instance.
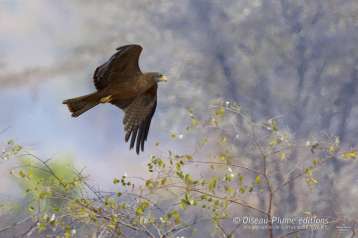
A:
(119, 81)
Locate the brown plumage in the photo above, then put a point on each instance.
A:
(120, 82)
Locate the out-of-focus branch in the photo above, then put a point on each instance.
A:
(12, 226)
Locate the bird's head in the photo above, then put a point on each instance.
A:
(158, 77)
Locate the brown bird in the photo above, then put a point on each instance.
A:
(120, 82)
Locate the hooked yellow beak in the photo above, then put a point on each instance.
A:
(163, 78)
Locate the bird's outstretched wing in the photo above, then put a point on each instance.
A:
(138, 116)
(121, 66)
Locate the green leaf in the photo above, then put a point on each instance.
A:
(175, 215)
(16, 149)
(352, 154)
(31, 208)
(188, 179)
(173, 135)
(22, 174)
(188, 157)
(241, 179)
(274, 125)
(212, 184)
(150, 184)
(180, 174)
(41, 226)
(309, 171)
(141, 208)
(229, 189)
(282, 155)
(258, 179)
(220, 111)
(10, 142)
(229, 177)
(68, 231)
(115, 181)
(187, 201)
(194, 122)
(163, 181)
(222, 157)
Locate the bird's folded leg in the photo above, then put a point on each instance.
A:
(106, 99)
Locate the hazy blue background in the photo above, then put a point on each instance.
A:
(295, 59)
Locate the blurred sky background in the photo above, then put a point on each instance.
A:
(289, 58)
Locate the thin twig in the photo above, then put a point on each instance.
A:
(288, 234)
(15, 224)
(231, 165)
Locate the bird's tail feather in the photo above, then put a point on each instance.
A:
(79, 105)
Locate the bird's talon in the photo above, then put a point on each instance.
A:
(106, 99)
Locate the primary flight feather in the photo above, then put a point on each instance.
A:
(119, 81)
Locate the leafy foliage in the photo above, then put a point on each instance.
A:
(226, 174)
